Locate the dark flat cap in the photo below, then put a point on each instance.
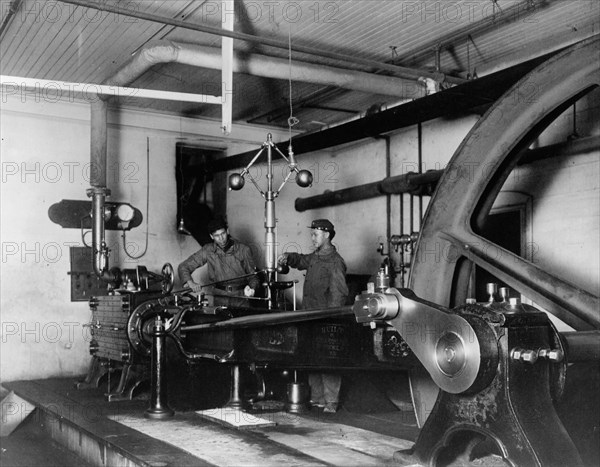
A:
(216, 224)
(322, 224)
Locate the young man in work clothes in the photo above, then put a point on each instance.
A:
(324, 287)
(227, 259)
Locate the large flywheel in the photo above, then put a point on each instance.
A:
(450, 243)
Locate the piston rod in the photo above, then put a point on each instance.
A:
(269, 319)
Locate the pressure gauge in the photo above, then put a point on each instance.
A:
(125, 212)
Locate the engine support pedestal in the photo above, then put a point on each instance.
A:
(159, 406)
(515, 411)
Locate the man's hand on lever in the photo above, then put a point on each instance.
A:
(193, 285)
(282, 260)
(248, 291)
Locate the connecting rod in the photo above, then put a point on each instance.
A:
(446, 344)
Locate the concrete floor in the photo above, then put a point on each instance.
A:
(367, 430)
(117, 433)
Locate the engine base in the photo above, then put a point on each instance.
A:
(504, 418)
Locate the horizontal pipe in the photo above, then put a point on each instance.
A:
(411, 183)
(582, 346)
(414, 183)
(165, 51)
(273, 318)
(418, 183)
(573, 147)
(335, 198)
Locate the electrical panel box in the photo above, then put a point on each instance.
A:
(84, 282)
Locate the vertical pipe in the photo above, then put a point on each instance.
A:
(98, 133)
(227, 68)
(401, 246)
(99, 248)
(98, 192)
(420, 166)
(270, 222)
(412, 214)
(401, 214)
(574, 134)
(388, 163)
(411, 245)
(294, 298)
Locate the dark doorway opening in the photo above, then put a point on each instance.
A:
(504, 228)
(195, 191)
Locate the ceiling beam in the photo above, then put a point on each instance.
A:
(10, 16)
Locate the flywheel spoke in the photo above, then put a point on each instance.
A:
(574, 306)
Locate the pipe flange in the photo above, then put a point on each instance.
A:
(97, 190)
(139, 327)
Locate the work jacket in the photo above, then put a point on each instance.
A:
(233, 261)
(325, 283)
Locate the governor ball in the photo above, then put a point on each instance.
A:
(304, 178)
(236, 182)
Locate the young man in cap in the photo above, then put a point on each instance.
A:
(324, 287)
(227, 259)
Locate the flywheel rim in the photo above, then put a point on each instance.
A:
(495, 143)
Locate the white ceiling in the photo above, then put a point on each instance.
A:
(60, 40)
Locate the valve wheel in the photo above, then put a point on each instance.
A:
(168, 280)
(463, 201)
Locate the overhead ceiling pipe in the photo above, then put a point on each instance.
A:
(164, 51)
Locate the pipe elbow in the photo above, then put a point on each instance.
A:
(108, 275)
(153, 53)
(159, 51)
